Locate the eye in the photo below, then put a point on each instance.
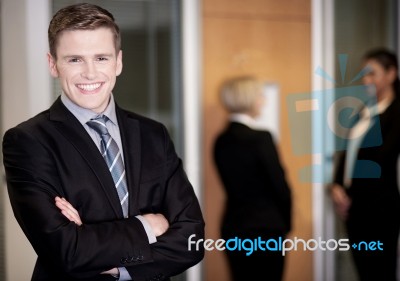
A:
(101, 59)
(74, 60)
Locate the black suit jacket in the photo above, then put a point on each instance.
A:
(258, 195)
(376, 201)
(53, 155)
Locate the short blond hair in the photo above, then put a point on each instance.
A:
(239, 94)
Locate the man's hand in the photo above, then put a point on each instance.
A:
(157, 222)
(114, 272)
(341, 200)
(68, 210)
(72, 214)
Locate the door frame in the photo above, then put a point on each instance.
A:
(323, 56)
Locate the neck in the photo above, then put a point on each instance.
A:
(386, 95)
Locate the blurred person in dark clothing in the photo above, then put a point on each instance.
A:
(258, 196)
(370, 207)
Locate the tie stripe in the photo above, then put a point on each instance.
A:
(112, 155)
(107, 146)
(120, 179)
(115, 161)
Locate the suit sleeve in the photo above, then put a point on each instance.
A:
(338, 173)
(171, 254)
(79, 251)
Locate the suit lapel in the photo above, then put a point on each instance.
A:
(130, 137)
(76, 134)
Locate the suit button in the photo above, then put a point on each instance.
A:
(123, 260)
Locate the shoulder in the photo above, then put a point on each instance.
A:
(144, 122)
(149, 129)
(42, 121)
(240, 134)
(392, 111)
(152, 135)
(31, 125)
(257, 135)
(395, 106)
(26, 138)
(389, 118)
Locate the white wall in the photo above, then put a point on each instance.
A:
(25, 91)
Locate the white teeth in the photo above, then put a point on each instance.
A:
(89, 87)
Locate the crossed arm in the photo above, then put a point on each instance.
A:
(37, 172)
(158, 223)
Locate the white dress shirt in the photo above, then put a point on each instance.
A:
(357, 134)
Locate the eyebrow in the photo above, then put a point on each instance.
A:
(80, 56)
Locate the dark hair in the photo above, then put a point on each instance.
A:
(388, 60)
(81, 16)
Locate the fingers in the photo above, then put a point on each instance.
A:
(338, 195)
(62, 203)
(68, 210)
(158, 223)
(341, 201)
(113, 271)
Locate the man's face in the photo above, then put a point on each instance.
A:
(87, 65)
(378, 76)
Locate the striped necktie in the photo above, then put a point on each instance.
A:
(112, 155)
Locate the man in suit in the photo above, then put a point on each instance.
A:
(99, 192)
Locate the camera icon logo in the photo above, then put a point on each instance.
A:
(347, 117)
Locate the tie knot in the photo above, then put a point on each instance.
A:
(99, 124)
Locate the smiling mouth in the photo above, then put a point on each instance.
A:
(89, 87)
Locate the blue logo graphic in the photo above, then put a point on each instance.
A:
(368, 246)
(341, 108)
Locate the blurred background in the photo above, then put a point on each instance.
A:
(176, 53)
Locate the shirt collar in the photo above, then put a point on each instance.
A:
(378, 107)
(383, 104)
(84, 115)
(242, 119)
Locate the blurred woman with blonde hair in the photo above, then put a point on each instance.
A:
(258, 196)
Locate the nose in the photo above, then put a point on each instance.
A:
(89, 71)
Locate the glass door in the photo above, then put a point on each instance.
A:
(359, 25)
(342, 31)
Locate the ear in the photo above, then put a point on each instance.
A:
(52, 65)
(391, 74)
(119, 63)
